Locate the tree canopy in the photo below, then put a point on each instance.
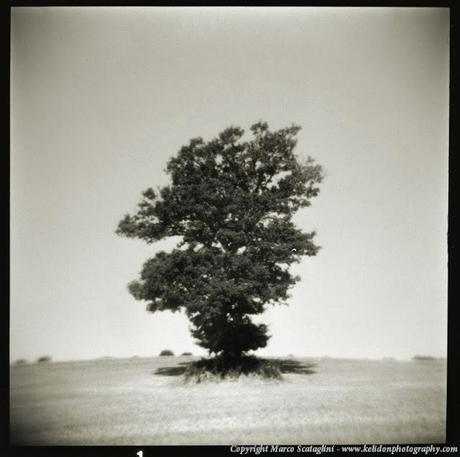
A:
(231, 200)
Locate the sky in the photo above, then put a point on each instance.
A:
(102, 98)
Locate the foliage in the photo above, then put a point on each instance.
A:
(166, 352)
(231, 201)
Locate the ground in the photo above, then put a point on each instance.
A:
(142, 401)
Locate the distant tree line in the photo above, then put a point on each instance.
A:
(168, 352)
(423, 357)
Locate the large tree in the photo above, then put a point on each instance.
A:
(231, 201)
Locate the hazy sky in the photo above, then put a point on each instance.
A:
(103, 97)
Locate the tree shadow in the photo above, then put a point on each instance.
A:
(284, 365)
(294, 366)
(176, 370)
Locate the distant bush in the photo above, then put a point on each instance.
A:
(166, 352)
(44, 358)
(423, 357)
(186, 353)
(21, 361)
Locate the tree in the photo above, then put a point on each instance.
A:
(166, 352)
(231, 201)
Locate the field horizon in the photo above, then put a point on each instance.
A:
(26, 361)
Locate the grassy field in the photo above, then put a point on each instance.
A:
(126, 402)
